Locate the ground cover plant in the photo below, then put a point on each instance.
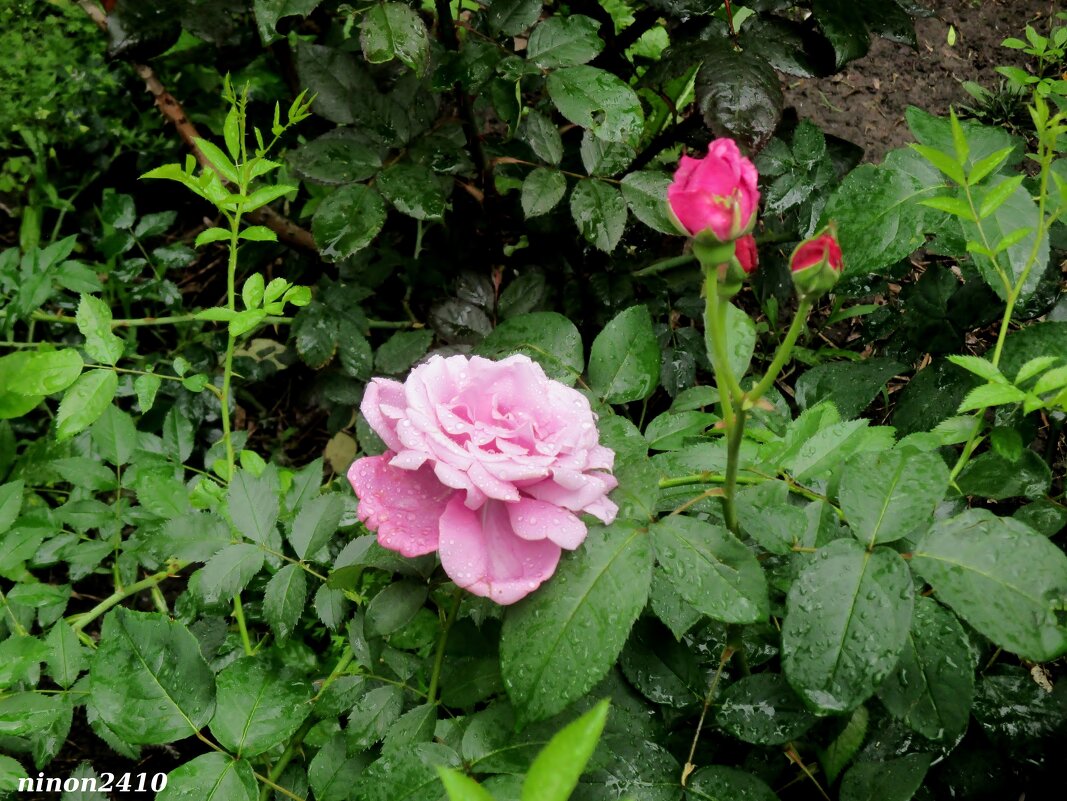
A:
(518, 400)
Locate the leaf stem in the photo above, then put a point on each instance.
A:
(80, 621)
(784, 351)
(727, 652)
(442, 640)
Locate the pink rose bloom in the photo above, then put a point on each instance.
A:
(489, 463)
(717, 193)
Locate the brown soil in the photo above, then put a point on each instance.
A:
(866, 102)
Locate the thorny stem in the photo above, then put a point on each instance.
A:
(279, 767)
(734, 435)
(179, 319)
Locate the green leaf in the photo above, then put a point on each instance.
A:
(548, 338)
(413, 190)
(398, 353)
(347, 221)
(932, 687)
(721, 783)
(115, 436)
(253, 504)
(12, 404)
(879, 222)
(269, 13)
(711, 569)
(843, 26)
(602, 158)
(555, 772)
(950, 205)
(995, 197)
(207, 236)
(762, 709)
(886, 496)
(85, 401)
(892, 780)
(847, 618)
(340, 156)
(512, 17)
(850, 386)
(462, 788)
(624, 359)
(393, 30)
(47, 373)
(404, 776)
(741, 339)
(148, 680)
(599, 211)
(645, 192)
(28, 713)
(541, 134)
(669, 430)
(66, 659)
(393, 608)
(372, 716)
(1016, 212)
(284, 599)
(146, 387)
(178, 435)
(944, 163)
(256, 708)
(219, 160)
(836, 756)
(564, 42)
(10, 503)
(11, 771)
(542, 189)
(558, 642)
(597, 100)
(211, 777)
(229, 571)
(331, 775)
(1002, 577)
(315, 523)
(739, 95)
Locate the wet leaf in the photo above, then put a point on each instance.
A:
(893, 780)
(624, 358)
(722, 783)
(548, 338)
(645, 192)
(562, 41)
(762, 709)
(284, 599)
(341, 156)
(932, 687)
(711, 569)
(347, 221)
(739, 95)
(886, 496)
(394, 30)
(148, 680)
(596, 99)
(1002, 577)
(847, 618)
(558, 642)
(542, 190)
(256, 708)
(413, 190)
(211, 777)
(599, 211)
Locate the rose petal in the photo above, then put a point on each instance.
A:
(383, 392)
(481, 553)
(403, 506)
(537, 520)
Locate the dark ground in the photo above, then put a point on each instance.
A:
(865, 103)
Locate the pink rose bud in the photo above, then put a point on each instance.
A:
(715, 196)
(816, 264)
(489, 464)
(746, 255)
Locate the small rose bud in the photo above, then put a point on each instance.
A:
(746, 255)
(816, 265)
(715, 197)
